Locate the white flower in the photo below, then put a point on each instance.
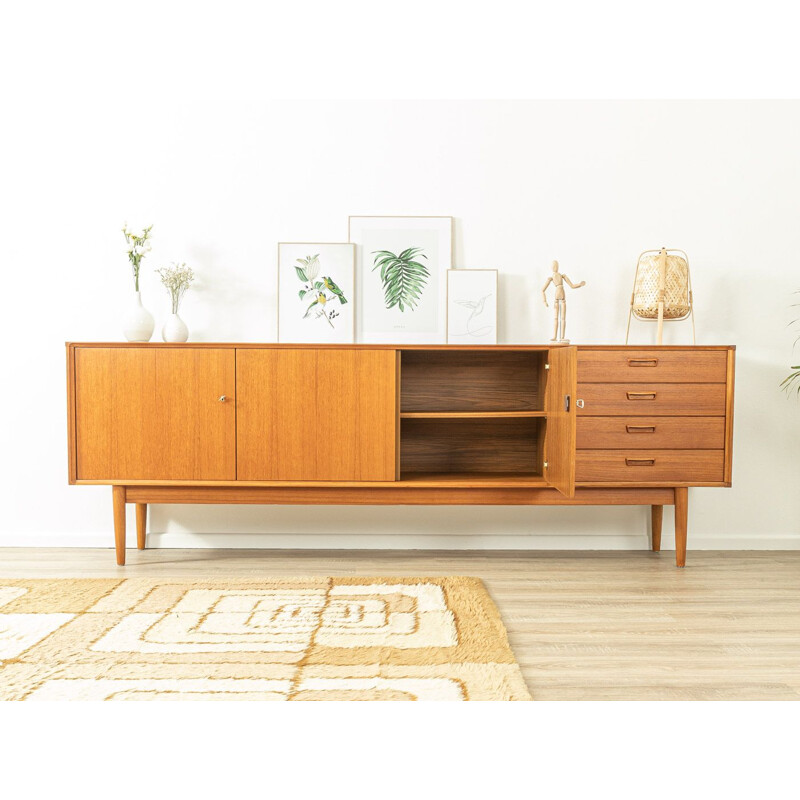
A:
(311, 267)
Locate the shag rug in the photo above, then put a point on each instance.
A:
(286, 639)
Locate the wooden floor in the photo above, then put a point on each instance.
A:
(622, 626)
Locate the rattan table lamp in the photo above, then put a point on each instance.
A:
(662, 290)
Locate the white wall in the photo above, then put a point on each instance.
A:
(589, 183)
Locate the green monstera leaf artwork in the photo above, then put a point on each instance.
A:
(404, 277)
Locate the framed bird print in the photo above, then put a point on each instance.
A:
(472, 306)
(315, 292)
(401, 278)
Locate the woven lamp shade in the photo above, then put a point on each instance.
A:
(662, 289)
(677, 303)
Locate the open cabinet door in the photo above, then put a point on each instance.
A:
(559, 404)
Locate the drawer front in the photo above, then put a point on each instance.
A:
(652, 366)
(650, 433)
(657, 399)
(647, 466)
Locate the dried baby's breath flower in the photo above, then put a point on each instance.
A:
(177, 278)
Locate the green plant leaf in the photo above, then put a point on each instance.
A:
(404, 278)
(301, 273)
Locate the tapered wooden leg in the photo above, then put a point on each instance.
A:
(681, 525)
(118, 497)
(141, 525)
(656, 517)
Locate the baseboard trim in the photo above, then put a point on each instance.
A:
(258, 541)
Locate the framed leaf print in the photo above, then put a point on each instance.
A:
(401, 278)
(472, 306)
(315, 292)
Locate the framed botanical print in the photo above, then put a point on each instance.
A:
(472, 306)
(315, 292)
(401, 278)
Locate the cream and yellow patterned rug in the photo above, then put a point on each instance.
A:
(286, 639)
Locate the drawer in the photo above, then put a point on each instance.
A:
(652, 366)
(642, 399)
(650, 433)
(648, 466)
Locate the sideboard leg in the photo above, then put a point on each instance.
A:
(681, 524)
(656, 517)
(141, 525)
(118, 498)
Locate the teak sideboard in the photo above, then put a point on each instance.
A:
(400, 425)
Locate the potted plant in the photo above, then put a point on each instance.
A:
(791, 383)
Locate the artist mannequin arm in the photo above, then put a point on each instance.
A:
(571, 284)
(544, 289)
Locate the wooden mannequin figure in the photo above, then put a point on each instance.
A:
(560, 318)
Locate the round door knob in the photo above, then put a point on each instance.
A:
(223, 398)
(579, 403)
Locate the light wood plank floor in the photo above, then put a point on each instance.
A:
(583, 625)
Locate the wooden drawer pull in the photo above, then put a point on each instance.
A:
(641, 395)
(642, 362)
(640, 428)
(640, 462)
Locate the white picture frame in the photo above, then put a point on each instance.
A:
(380, 319)
(472, 306)
(311, 311)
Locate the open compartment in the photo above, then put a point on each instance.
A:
(510, 446)
(472, 381)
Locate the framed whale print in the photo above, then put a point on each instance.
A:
(472, 306)
(315, 292)
(401, 278)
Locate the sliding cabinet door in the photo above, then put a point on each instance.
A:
(311, 414)
(149, 413)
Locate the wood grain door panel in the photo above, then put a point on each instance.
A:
(650, 433)
(153, 414)
(657, 399)
(316, 415)
(652, 366)
(559, 404)
(647, 466)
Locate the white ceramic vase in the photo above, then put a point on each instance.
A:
(175, 330)
(138, 323)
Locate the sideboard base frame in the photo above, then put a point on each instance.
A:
(142, 496)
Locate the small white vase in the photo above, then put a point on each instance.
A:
(138, 324)
(175, 330)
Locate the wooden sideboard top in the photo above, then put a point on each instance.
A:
(484, 347)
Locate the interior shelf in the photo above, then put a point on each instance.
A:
(435, 381)
(471, 414)
(488, 410)
(530, 480)
(474, 445)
